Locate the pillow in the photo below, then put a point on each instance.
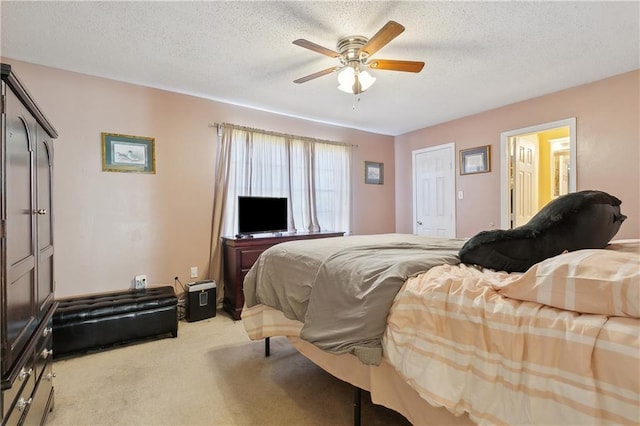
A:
(580, 220)
(627, 246)
(604, 282)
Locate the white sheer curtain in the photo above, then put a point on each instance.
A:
(327, 187)
(314, 175)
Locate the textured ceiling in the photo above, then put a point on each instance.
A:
(478, 55)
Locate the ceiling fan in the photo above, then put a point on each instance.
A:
(354, 53)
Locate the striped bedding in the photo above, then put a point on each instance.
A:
(513, 348)
(460, 343)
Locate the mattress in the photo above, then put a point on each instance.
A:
(559, 344)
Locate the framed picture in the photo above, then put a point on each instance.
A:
(475, 160)
(373, 173)
(125, 153)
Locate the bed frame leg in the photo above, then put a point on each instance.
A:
(267, 347)
(357, 405)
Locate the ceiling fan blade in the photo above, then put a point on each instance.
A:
(389, 64)
(317, 74)
(316, 47)
(387, 33)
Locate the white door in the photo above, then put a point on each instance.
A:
(434, 211)
(525, 188)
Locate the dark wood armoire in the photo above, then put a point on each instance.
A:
(26, 256)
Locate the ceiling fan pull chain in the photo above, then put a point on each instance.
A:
(356, 99)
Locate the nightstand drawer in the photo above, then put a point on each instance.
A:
(249, 257)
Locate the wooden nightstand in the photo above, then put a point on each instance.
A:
(239, 255)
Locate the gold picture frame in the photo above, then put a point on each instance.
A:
(127, 153)
(475, 160)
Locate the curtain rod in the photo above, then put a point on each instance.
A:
(219, 126)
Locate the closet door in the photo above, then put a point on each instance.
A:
(20, 231)
(44, 222)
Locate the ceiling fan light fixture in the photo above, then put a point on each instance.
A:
(352, 80)
(346, 78)
(354, 53)
(366, 80)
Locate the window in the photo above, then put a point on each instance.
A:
(314, 175)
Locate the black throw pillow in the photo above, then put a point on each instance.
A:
(580, 220)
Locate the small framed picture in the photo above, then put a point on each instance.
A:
(126, 153)
(373, 173)
(475, 160)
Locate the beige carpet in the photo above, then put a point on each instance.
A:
(211, 374)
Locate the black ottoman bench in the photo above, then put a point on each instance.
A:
(98, 321)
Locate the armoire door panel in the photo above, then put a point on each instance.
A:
(44, 223)
(19, 184)
(43, 192)
(20, 230)
(20, 315)
(45, 281)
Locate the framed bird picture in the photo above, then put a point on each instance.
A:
(126, 153)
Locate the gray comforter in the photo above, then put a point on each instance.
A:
(341, 288)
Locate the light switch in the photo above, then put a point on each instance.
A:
(460, 195)
(194, 272)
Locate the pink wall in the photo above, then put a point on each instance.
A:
(112, 226)
(608, 157)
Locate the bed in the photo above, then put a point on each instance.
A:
(443, 342)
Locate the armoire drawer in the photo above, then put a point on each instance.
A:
(42, 396)
(18, 398)
(44, 352)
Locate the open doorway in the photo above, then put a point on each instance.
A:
(537, 166)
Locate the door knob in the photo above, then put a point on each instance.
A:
(41, 211)
(419, 222)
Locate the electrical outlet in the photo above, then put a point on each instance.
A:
(194, 272)
(140, 282)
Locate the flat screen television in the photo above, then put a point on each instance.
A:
(262, 214)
